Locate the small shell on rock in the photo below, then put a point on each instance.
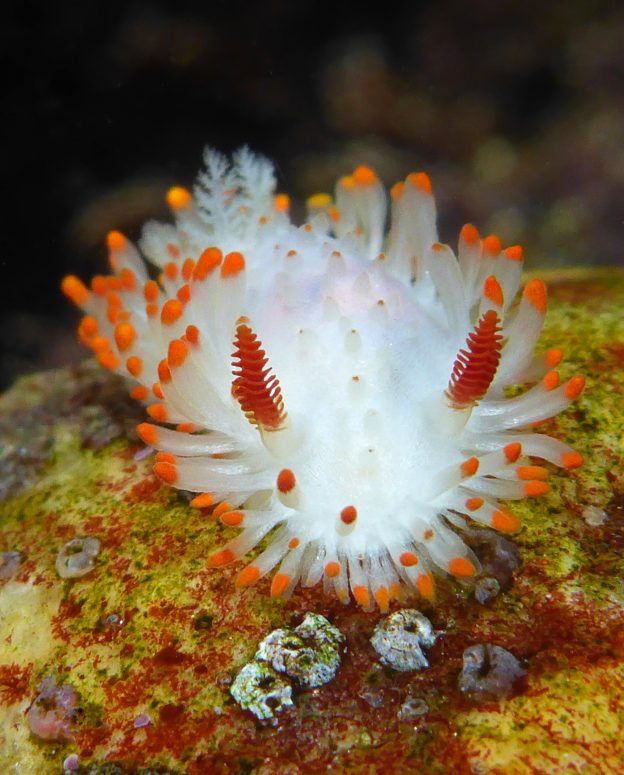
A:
(489, 672)
(261, 690)
(77, 557)
(309, 654)
(400, 638)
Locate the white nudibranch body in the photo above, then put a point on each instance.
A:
(337, 386)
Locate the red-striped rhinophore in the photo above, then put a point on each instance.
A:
(475, 367)
(255, 388)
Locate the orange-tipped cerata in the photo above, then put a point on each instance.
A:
(256, 389)
(475, 367)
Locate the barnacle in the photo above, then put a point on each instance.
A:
(338, 387)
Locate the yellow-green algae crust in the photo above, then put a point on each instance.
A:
(153, 630)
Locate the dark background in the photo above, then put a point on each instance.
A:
(516, 109)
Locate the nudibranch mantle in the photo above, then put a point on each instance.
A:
(335, 386)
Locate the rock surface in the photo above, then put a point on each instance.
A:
(151, 639)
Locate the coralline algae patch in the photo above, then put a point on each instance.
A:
(151, 639)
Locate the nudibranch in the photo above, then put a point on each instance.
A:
(338, 388)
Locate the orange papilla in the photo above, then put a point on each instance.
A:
(166, 471)
(382, 598)
(166, 457)
(281, 203)
(184, 294)
(171, 311)
(187, 269)
(255, 388)
(421, 181)
(186, 427)
(514, 253)
(493, 291)
(396, 192)
(332, 569)
(461, 566)
(99, 285)
(505, 521)
(535, 292)
(108, 359)
(173, 250)
(491, 246)
(512, 451)
(221, 557)
(286, 480)
(535, 488)
(151, 291)
(171, 270)
(348, 515)
(202, 501)
(426, 586)
(551, 380)
(178, 197)
(408, 559)
(164, 372)
(221, 509)
(247, 576)
(128, 279)
(475, 366)
(280, 584)
(232, 518)
(124, 336)
(177, 353)
(88, 326)
(360, 593)
(469, 234)
(473, 504)
(364, 176)
(233, 264)
(192, 334)
(148, 433)
(527, 473)
(207, 262)
(158, 391)
(572, 459)
(158, 412)
(75, 290)
(139, 393)
(469, 467)
(134, 365)
(113, 283)
(553, 357)
(574, 387)
(115, 240)
(293, 543)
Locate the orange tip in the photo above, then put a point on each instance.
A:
(574, 387)
(505, 521)
(108, 359)
(134, 365)
(512, 451)
(332, 569)
(426, 586)
(178, 197)
(553, 357)
(364, 176)
(233, 264)
(222, 557)
(469, 234)
(166, 471)
(535, 293)
(75, 289)
(281, 203)
(158, 412)
(474, 504)
(280, 584)
(176, 355)
(396, 192)
(514, 253)
(421, 181)
(115, 241)
(124, 336)
(348, 515)
(469, 467)
(151, 291)
(139, 393)
(408, 559)
(202, 501)
(491, 246)
(148, 433)
(526, 473)
(157, 391)
(171, 311)
(462, 567)
(286, 480)
(382, 598)
(551, 380)
(164, 372)
(493, 291)
(247, 576)
(535, 488)
(360, 593)
(192, 335)
(572, 459)
(232, 518)
(207, 263)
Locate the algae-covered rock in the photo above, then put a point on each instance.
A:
(142, 650)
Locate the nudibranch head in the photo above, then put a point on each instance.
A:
(339, 386)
